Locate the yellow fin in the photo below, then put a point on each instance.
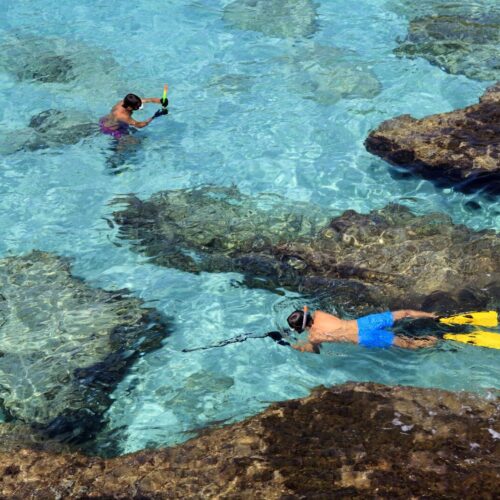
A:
(479, 338)
(484, 318)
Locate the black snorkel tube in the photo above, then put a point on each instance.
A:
(276, 336)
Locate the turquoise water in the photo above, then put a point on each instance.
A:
(240, 114)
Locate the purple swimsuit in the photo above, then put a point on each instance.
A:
(117, 133)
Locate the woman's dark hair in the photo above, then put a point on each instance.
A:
(132, 101)
(296, 320)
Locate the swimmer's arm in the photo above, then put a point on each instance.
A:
(134, 123)
(156, 100)
(307, 347)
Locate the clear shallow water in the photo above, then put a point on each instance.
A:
(237, 116)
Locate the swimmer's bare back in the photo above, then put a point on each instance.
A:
(123, 115)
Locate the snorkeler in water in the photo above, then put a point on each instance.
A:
(118, 122)
(368, 331)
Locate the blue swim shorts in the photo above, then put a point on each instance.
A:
(371, 331)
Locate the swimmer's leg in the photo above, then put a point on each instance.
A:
(409, 343)
(123, 152)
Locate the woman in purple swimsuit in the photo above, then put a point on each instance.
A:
(118, 122)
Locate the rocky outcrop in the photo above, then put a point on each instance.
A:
(461, 38)
(64, 346)
(277, 18)
(50, 128)
(353, 440)
(459, 149)
(387, 258)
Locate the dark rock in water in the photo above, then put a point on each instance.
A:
(458, 39)
(459, 149)
(55, 61)
(472, 206)
(350, 441)
(219, 223)
(405, 257)
(387, 258)
(65, 345)
(277, 18)
(49, 129)
(49, 69)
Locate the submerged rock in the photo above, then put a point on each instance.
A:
(461, 39)
(64, 346)
(231, 83)
(56, 61)
(216, 223)
(387, 258)
(422, 261)
(48, 129)
(277, 18)
(327, 74)
(459, 149)
(353, 440)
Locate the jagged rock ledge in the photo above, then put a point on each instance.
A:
(389, 258)
(459, 149)
(353, 440)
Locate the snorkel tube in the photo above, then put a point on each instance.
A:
(164, 103)
(164, 100)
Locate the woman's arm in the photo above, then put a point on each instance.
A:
(156, 100)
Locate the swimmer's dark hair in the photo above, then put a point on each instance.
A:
(132, 101)
(296, 320)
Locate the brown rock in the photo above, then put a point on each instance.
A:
(459, 149)
(368, 441)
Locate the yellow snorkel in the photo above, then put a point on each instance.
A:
(164, 103)
(164, 100)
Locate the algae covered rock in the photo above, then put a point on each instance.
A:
(459, 149)
(328, 74)
(64, 346)
(48, 129)
(277, 18)
(353, 440)
(412, 260)
(387, 258)
(49, 60)
(459, 38)
(203, 228)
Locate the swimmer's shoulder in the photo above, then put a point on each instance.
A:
(321, 316)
